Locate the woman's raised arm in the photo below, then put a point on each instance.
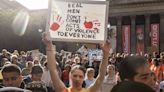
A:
(102, 69)
(51, 60)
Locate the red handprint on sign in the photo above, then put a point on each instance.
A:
(55, 25)
(91, 24)
(88, 24)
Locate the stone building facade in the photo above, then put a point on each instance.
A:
(140, 25)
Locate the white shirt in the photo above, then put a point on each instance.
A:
(46, 77)
(108, 84)
(89, 82)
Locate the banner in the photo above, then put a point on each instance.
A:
(78, 21)
(95, 54)
(112, 34)
(155, 37)
(126, 38)
(140, 39)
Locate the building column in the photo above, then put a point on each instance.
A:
(161, 33)
(147, 34)
(133, 34)
(119, 35)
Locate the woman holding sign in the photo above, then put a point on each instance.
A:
(77, 73)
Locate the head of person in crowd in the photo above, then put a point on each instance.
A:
(124, 55)
(118, 57)
(136, 68)
(22, 53)
(36, 73)
(36, 61)
(162, 59)
(69, 56)
(23, 58)
(148, 56)
(155, 61)
(77, 75)
(132, 54)
(29, 65)
(28, 68)
(29, 53)
(162, 55)
(67, 67)
(29, 56)
(12, 76)
(4, 60)
(77, 60)
(95, 64)
(4, 52)
(69, 61)
(77, 54)
(90, 73)
(84, 59)
(8, 55)
(16, 52)
(131, 86)
(14, 59)
(111, 70)
(62, 52)
(156, 55)
(118, 54)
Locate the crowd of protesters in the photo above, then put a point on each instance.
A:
(65, 72)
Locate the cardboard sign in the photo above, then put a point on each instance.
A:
(78, 21)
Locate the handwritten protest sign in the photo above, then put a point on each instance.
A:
(78, 21)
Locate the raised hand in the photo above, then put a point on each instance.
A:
(45, 39)
(106, 47)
